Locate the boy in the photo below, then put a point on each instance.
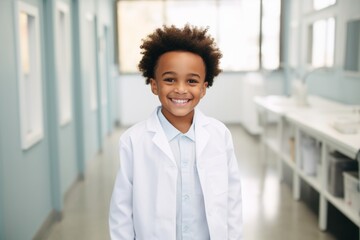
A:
(178, 176)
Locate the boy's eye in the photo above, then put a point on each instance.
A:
(193, 81)
(169, 80)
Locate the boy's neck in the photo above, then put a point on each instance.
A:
(182, 123)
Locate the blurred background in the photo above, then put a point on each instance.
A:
(289, 92)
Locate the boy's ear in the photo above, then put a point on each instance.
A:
(203, 90)
(153, 85)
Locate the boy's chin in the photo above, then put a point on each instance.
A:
(180, 113)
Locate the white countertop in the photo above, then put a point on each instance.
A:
(282, 104)
(321, 125)
(318, 118)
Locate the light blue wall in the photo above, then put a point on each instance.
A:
(62, 138)
(78, 92)
(95, 128)
(25, 174)
(104, 22)
(2, 213)
(336, 87)
(90, 121)
(34, 182)
(333, 84)
(2, 197)
(2, 137)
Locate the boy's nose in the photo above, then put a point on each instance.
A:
(181, 88)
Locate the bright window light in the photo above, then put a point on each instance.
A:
(320, 4)
(29, 74)
(271, 34)
(235, 25)
(322, 40)
(136, 19)
(90, 65)
(63, 63)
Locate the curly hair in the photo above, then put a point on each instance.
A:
(190, 39)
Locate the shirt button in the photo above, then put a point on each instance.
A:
(186, 197)
(185, 228)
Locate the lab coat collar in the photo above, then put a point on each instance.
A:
(161, 141)
(171, 132)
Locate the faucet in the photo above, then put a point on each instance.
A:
(300, 87)
(309, 73)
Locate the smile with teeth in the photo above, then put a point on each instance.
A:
(180, 101)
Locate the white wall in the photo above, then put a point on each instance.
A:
(136, 101)
(223, 99)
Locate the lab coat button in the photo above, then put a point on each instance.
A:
(186, 197)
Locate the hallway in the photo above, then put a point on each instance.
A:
(269, 209)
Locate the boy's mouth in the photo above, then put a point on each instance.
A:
(180, 101)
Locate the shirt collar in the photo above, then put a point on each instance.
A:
(170, 131)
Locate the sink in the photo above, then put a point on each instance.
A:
(283, 101)
(346, 124)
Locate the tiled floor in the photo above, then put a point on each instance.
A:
(269, 209)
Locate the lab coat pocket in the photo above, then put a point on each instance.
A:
(217, 174)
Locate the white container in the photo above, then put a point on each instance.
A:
(346, 125)
(310, 155)
(299, 93)
(352, 191)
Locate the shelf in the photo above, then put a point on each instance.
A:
(345, 209)
(314, 120)
(311, 180)
(273, 145)
(286, 158)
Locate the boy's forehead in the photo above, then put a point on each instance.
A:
(180, 61)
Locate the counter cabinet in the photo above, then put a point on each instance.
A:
(287, 127)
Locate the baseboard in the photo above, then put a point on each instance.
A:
(55, 216)
(45, 228)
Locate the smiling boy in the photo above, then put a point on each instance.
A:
(178, 176)
(179, 83)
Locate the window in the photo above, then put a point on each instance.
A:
(90, 64)
(271, 34)
(148, 16)
(29, 74)
(63, 62)
(322, 43)
(238, 35)
(352, 50)
(320, 4)
(235, 25)
(103, 63)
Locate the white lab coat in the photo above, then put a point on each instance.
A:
(143, 204)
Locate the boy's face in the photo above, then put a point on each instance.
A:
(180, 84)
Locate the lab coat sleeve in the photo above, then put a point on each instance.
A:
(121, 211)
(234, 193)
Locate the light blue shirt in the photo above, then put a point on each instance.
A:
(190, 210)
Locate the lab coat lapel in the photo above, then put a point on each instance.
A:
(159, 139)
(201, 134)
(202, 137)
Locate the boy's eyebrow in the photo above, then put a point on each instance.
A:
(169, 72)
(194, 75)
(174, 73)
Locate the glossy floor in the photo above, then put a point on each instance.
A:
(268, 207)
